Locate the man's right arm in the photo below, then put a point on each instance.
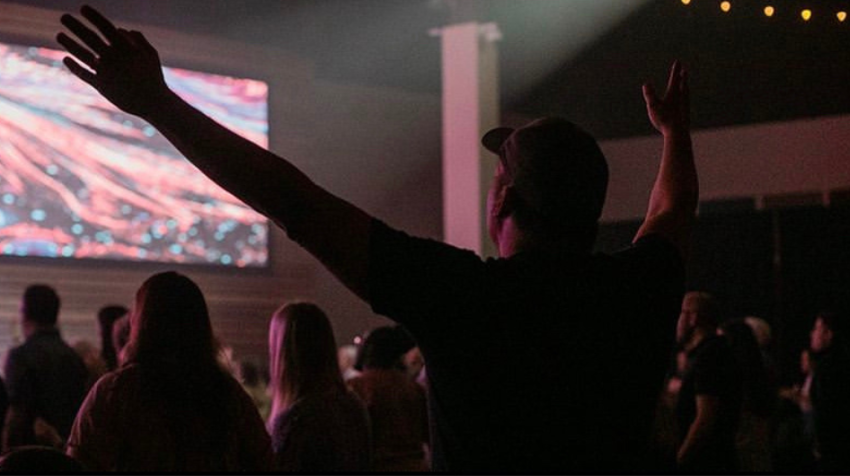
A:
(673, 202)
(126, 70)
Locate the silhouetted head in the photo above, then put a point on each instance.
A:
(761, 329)
(106, 318)
(700, 313)
(38, 460)
(170, 322)
(40, 305)
(107, 315)
(302, 354)
(385, 347)
(551, 180)
(827, 332)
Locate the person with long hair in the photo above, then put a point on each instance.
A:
(170, 406)
(759, 395)
(316, 424)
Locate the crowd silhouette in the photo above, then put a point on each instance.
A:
(549, 358)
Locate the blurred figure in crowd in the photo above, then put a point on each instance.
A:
(256, 384)
(45, 377)
(759, 398)
(347, 357)
(709, 404)
(396, 404)
(316, 423)
(830, 391)
(170, 406)
(106, 318)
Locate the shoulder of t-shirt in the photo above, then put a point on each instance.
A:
(122, 377)
(652, 248)
(653, 241)
(380, 233)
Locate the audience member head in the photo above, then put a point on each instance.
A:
(413, 362)
(170, 324)
(95, 365)
(805, 362)
(827, 333)
(761, 330)
(758, 394)
(302, 355)
(347, 358)
(39, 308)
(549, 185)
(699, 317)
(120, 337)
(38, 460)
(249, 374)
(385, 347)
(106, 318)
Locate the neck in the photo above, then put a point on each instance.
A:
(512, 240)
(30, 328)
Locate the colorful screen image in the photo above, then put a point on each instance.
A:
(81, 179)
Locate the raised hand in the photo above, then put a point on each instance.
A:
(122, 65)
(672, 112)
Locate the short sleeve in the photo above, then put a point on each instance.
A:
(411, 279)
(655, 259)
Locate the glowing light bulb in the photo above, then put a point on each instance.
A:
(725, 6)
(686, 2)
(841, 16)
(769, 11)
(806, 14)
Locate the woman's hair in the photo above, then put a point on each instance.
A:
(173, 346)
(302, 355)
(757, 387)
(170, 324)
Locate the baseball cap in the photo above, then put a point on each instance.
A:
(556, 167)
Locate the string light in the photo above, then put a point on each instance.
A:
(770, 11)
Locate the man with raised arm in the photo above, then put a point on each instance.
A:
(548, 358)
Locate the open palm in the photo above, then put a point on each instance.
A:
(122, 65)
(671, 112)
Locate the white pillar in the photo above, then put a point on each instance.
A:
(470, 108)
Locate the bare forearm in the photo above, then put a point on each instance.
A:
(698, 433)
(673, 202)
(676, 188)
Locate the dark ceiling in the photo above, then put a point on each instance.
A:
(745, 67)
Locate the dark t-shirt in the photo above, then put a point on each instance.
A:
(830, 393)
(46, 378)
(537, 362)
(323, 434)
(712, 371)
